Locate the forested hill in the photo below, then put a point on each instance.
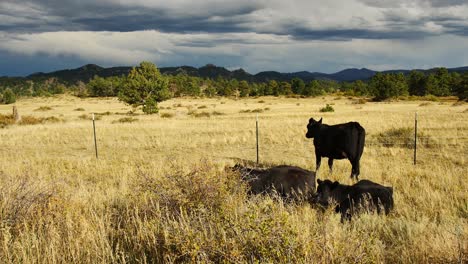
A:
(87, 72)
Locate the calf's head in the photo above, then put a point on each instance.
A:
(313, 128)
(324, 195)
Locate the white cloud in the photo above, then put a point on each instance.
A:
(254, 52)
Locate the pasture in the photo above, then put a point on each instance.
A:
(159, 191)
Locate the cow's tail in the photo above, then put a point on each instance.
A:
(361, 140)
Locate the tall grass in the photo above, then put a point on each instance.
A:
(159, 192)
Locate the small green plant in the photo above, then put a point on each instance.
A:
(125, 120)
(216, 113)
(202, 107)
(327, 108)
(261, 101)
(425, 104)
(79, 109)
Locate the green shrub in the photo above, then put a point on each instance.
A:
(9, 96)
(327, 108)
(79, 109)
(216, 113)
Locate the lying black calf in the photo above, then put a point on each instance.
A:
(365, 195)
(287, 181)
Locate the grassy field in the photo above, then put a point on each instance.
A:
(159, 191)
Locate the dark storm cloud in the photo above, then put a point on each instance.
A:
(208, 17)
(160, 21)
(106, 16)
(398, 3)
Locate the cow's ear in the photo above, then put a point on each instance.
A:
(320, 121)
(311, 120)
(335, 184)
(319, 181)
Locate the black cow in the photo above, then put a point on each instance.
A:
(365, 195)
(288, 181)
(342, 141)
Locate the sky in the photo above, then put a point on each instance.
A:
(255, 35)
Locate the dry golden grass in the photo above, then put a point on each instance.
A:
(159, 192)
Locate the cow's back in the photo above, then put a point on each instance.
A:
(341, 141)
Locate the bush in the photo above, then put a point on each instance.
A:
(79, 109)
(6, 120)
(327, 108)
(9, 96)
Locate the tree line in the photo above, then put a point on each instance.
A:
(145, 86)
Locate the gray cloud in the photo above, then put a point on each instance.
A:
(395, 19)
(252, 34)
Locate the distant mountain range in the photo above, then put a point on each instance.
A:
(87, 72)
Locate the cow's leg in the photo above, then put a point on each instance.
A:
(330, 164)
(355, 169)
(318, 160)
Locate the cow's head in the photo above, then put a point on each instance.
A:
(313, 127)
(324, 196)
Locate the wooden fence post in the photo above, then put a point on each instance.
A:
(95, 142)
(16, 115)
(415, 135)
(256, 125)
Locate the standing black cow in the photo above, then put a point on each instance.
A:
(342, 141)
